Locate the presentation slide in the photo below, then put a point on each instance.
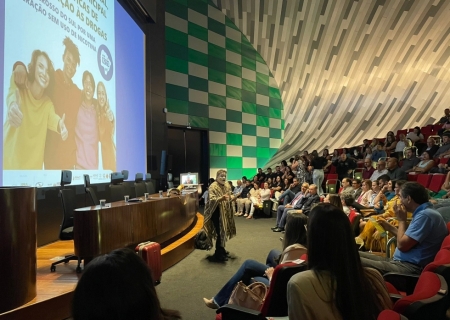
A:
(73, 91)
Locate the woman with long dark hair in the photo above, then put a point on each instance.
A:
(294, 246)
(118, 286)
(336, 286)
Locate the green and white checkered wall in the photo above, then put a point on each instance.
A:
(215, 79)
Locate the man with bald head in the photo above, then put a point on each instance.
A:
(381, 169)
(432, 148)
(394, 171)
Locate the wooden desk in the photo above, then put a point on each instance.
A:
(98, 230)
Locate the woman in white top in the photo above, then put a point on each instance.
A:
(262, 196)
(425, 165)
(401, 145)
(366, 194)
(415, 135)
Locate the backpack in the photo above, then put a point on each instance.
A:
(201, 241)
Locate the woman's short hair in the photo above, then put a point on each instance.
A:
(368, 183)
(335, 200)
(32, 69)
(295, 229)
(416, 191)
(117, 285)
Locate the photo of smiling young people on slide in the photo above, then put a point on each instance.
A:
(85, 118)
(30, 114)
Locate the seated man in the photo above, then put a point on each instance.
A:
(381, 169)
(378, 152)
(306, 203)
(368, 170)
(346, 186)
(295, 204)
(394, 171)
(418, 243)
(410, 160)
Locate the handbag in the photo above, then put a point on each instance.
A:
(251, 297)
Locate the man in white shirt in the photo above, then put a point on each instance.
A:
(381, 169)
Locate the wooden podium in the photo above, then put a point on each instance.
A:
(17, 246)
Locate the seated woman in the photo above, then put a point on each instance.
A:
(253, 196)
(367, 227)
(425, 165)
(118, 285)
(366, 194)
(287, 173)
(262, 196)
(331, 289)
(294, 246)
(333, 199)
(390, 144)
(276, 186)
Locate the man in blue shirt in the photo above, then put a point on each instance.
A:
(418, 243)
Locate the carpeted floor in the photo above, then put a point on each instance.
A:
(184, 285)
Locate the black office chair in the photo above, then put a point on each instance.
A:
(89, 190)
(116, 189)
(139, 185)
(66, 228)
(149, 184)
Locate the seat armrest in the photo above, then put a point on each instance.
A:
(402, 281)
(395, 297)
(235, 312)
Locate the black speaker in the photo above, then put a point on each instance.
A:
(162, 169)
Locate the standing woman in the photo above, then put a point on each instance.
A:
(106, 126)
(330, 289)
(219, 222)
(86, 128)
(317, 164)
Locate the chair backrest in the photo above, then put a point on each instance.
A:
(68, 206)
(446, 243)
(275, 304)
(412, 176)
(429, 299)
(117, 192)
(436, 182)
(140, 188)
(139, 177)
(92, 195)
(150, 187)
(424, 179)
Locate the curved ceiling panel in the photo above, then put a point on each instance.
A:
(350, 69)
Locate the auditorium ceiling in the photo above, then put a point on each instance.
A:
(349, 69)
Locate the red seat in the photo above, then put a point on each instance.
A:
(390, 315)
(333, 169)
(412, 176)
(441, 160)
(428, 301)
(275, 303)
(424, 179)
(446, 243)
(332, 176)
(436, 182)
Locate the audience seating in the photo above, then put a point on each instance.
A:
(436, 182)
(275, 304)
(412, 176)
(424, 179)
(428, 301)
